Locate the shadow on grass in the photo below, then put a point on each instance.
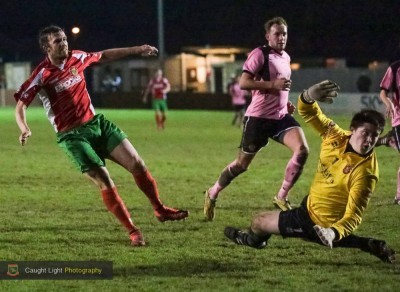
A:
(187, 268)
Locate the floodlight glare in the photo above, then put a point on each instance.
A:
(75, 30)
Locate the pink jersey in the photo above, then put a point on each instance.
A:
(157, 87)
(391, 82)
(238, 95)
(264, 63)
(62, 90)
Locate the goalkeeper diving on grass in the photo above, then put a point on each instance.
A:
(344, 182)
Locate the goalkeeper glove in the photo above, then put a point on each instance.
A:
(323, 91)
(327, 235)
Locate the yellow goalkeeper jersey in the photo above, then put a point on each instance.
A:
(344, 181)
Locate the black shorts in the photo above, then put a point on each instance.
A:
(297, 223)
(239, 107)
(396, 135)
(257, 131)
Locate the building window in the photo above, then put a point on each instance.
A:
(139, 78)
(191, 75)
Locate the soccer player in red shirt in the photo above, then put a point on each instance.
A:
(159, 87)
(86, 137)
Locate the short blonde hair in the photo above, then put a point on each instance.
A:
(276, 20)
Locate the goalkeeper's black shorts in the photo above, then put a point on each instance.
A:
(297, 223)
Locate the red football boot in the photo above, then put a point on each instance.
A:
(169, 214)
(137, 238)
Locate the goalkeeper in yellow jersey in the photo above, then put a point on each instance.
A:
(344, 182)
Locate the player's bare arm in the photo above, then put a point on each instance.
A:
(248, 83)
(20, 116)
(388, 103)
(146, 93)
(119, 53)
(167, 88)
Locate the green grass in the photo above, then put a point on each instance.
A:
(49, 212)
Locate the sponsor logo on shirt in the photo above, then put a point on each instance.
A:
(324, 170)
(67, 83)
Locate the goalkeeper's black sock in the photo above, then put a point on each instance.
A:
(248, 238)
(256, 239)
(384, 140)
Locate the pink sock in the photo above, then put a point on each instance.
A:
(214, 191)
(284, 190)
(227, 175)
(292, 173)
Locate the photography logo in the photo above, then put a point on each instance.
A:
(12, 270)
(56, 270)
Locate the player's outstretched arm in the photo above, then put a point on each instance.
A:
(119, 53)
(383, 95)
(20, 117)
(324, 91)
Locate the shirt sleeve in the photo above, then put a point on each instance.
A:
(254, 62)
(312, 114)
(87, 58)
(387, 80)
(166, 82)
(28, 90)
(359, 196)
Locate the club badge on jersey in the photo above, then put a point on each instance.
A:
(74, 71)
(347, 169)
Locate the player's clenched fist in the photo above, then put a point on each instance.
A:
(148, 51)
(282, 84)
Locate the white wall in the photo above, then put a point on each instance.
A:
(348, 102)
(16, 74)
(346, 77)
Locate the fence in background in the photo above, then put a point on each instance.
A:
(344, 103)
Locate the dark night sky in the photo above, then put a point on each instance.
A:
(353, 29)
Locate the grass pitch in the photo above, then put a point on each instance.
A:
(50, 212)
